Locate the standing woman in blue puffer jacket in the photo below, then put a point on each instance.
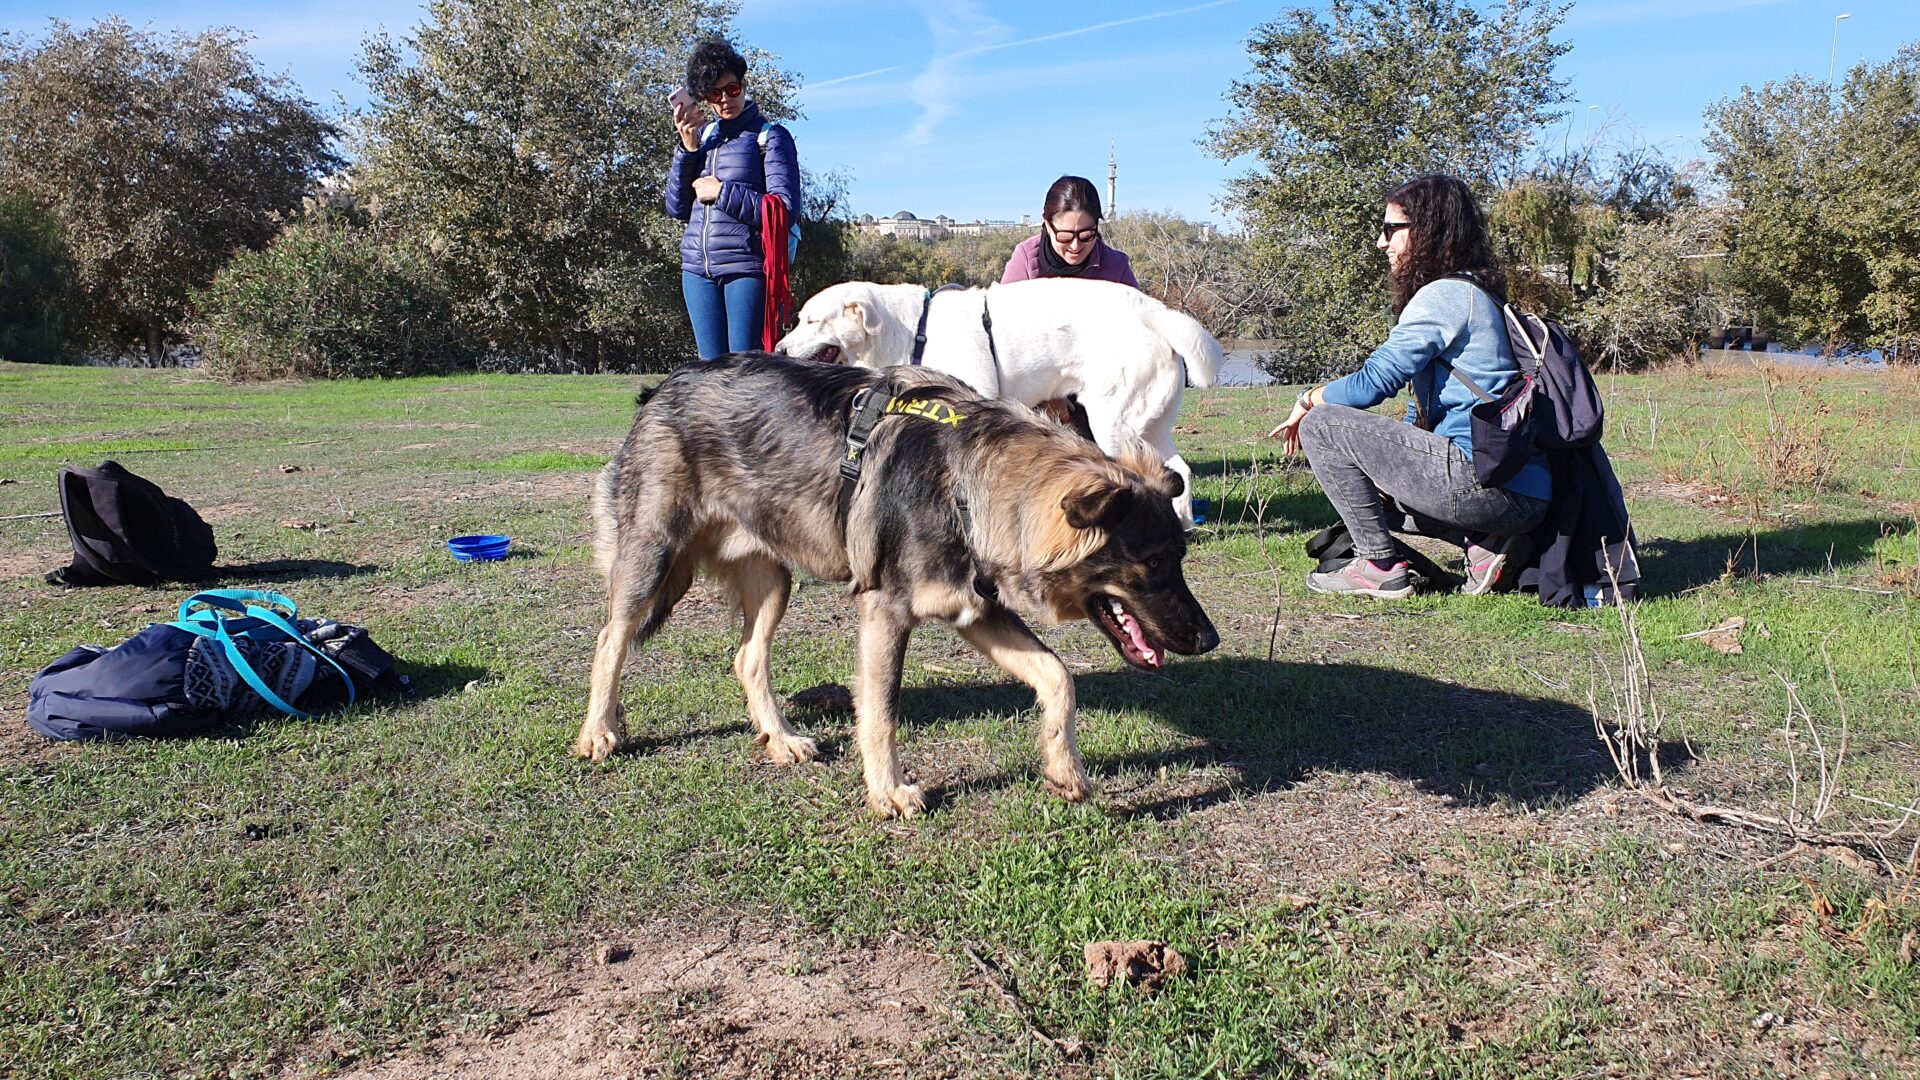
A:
(720, 173)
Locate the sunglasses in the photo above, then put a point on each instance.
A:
(719, 93)
(1084, 236)
(1388, 228)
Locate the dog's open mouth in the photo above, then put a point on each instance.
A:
(826, 354)
(1125, 631)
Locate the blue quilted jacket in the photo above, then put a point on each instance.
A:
(723, 237)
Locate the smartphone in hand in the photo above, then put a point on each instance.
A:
(682, 102)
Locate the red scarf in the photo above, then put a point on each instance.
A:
(773, 247)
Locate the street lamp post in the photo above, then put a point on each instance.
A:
(1834, 48)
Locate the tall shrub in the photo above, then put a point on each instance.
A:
(328, 301)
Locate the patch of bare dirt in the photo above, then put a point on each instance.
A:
(550, 485)
(719, 1000)
(20, 564)
(223, 511)
(1337, 829)
(1702, 495)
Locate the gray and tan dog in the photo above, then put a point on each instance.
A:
(965, 511)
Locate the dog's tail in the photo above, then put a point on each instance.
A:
(606, 515)
(1191, 340)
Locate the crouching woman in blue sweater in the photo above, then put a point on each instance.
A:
(1381, 473)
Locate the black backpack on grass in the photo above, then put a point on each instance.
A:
(126, 531)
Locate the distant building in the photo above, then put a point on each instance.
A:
(906, 226)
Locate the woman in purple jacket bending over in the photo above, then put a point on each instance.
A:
(1069, 243)
(719, 174)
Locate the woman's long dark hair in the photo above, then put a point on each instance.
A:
(1449, 236)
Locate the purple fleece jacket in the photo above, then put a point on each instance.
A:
(1105, 264)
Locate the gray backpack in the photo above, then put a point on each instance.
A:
(1554, 405)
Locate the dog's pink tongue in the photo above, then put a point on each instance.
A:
(1147, 652)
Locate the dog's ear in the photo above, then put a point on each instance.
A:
(1168, 483)
(858, 313)
(1096, 504)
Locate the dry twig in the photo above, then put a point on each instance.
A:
(1020, 1008)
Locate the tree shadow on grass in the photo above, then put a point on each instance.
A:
(1672, 566)
(1267, 725)
(1287, 511)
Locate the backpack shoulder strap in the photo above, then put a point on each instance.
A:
(1511, 319)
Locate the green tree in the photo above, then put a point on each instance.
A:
(1778, 151)
(1880, 215)
(40, 307)
(529, 141)
(1557, 227)
(1337, 112)
(161, 156)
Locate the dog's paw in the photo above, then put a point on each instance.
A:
(1075, 786)
(596, 745)
(790, 749)
(904, 801)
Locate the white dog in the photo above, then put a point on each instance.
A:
(1114, 347)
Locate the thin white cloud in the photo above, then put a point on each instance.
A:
(852, 78)
(1642, 11)
(938, 88)
(958, 28)
(1108, 25)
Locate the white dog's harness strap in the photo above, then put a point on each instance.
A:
(920, 332)
(986, 327)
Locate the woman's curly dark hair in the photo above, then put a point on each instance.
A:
(713, 60)
(1449, 236)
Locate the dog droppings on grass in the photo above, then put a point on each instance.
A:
(1136, 963)
(824, 698)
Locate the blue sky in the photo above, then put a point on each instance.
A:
(971, 108)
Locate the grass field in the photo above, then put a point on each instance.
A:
(1385, 836)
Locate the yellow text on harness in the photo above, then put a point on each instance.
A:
(938, 411)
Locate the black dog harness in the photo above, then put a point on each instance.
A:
(920, 332)
(870, 406)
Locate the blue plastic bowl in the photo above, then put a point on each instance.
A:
(479, 548)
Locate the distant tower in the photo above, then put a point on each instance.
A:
(1113, 172)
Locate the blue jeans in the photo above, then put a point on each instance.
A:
(727, 312)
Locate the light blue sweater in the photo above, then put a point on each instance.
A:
(1457, 323)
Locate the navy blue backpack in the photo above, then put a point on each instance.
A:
(230, 652)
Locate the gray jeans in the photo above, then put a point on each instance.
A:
(1359, 456)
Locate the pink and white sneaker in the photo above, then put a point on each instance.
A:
(1359, 577)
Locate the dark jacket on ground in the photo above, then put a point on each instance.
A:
(1585, 529)
(723, 237)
